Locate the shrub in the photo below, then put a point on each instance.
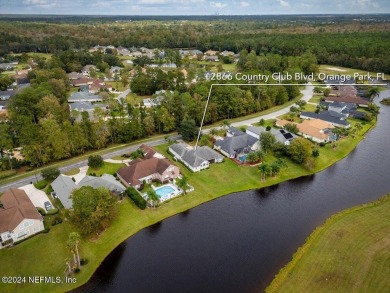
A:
(268, 128)
(40, 184)
(262, 122)
(315, 153)
(56, 220)
(52, 212)
(136, 198)
(76, 270)
(50, 173)
(322, 144)
(95, 162)
(83, 261)
(6, 174)
(41, 211)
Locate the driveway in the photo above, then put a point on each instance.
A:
(38, 197)
(79, 176)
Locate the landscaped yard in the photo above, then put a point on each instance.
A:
(316, 99)
(309, 108)
(107, 168)
(349, 253)
(49, 250)
(72, 172)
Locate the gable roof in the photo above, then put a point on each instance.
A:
(328, 116)
(63, 187)
(77, 96)
(139, 169)
(17, 206)
(148, 151)
(106, 180)
(237, 144)
(192, 157)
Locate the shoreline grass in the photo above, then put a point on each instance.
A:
(49, 250)
(352, 248)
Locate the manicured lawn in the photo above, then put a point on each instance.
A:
(107, 168)
(349, 253)
(309, 108)
(316, 99)
(45, 254)
(72, 172)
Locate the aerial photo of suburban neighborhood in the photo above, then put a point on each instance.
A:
(194, 146)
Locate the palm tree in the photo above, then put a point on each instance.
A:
(358, 126)
(226, 123)
(183, 183)
(373, 92)
(153, 197)
(73, 243)
(260, 155)
(264, 170)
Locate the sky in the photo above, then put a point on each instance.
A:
(193, 7)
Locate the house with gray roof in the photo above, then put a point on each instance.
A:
(239, 144)
(195, 159)
(280, 135)
(332, 117)
(84, 97)
(63, 186)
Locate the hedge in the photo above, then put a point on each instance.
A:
(136, 198)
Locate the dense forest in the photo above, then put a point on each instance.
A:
(344, 41)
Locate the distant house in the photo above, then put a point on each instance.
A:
(115, 69)
(332, 117)
(19, 218)
(6, 95)
(74, 75)
(154, 167)
(7, 66)
(85, 107)
(195, 160)
(346, 94)
(82, 81)
(211, 53)
(86, 70)
(226, 53)
(236, 143)
(211, 58)
(280, 135)
(84, 97)
(63, 186)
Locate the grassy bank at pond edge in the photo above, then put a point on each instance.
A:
(45, 254)
(350, 252)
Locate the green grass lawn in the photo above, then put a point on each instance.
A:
(107, 168)
(45, 254)
(316, 99)
(349, 253)
(309, 108)
(72, 172)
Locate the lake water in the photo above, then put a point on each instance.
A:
(238, 243)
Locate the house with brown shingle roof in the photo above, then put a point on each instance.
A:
(316, 130)
(19, 218)
(154, 167)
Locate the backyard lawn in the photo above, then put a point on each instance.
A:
(349, 253)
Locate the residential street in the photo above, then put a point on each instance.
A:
(307, 94)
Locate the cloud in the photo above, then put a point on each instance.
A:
(284, 3)
(218, 4)
(244, 4)
(41, 3)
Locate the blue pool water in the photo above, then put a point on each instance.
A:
(242, 158)
(164, 190)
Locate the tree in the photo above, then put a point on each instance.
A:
(188, 129)
(73, 245)
(93, 209)
(291, 128)
(267, 140)
(264, 170)
(183, 183)
(300, 150)
(373, 92)
(95, 161)
(153, 197)
(275, 168)
(51, 173)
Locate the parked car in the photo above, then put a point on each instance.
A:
(48, 205)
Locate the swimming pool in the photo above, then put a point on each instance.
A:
(242, 158)
(167, 191)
